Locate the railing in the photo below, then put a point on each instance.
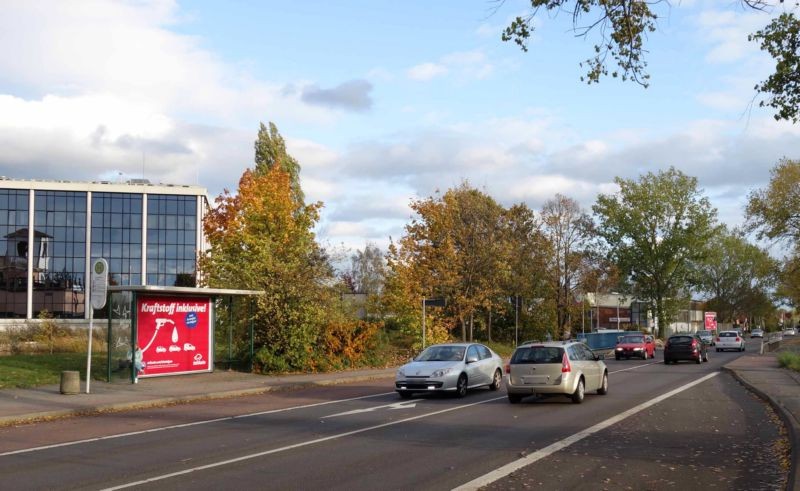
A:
(771, 342)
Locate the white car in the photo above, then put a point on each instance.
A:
(790, 331)
(730, 340)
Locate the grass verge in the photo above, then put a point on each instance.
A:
(790, 360)
(24, 371)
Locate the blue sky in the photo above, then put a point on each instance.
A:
(381, 102)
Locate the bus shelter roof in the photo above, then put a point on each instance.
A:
(183, 290)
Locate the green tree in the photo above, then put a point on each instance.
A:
(774, 212)
(623, 26)
(657, 229)
(781, 39)
(271, 151)
(734, 273)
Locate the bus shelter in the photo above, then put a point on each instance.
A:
(156, 331)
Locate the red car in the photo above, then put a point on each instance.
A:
(635, 345)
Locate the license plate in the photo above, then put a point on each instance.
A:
(536, 380)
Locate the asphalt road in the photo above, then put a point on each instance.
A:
(713, 434)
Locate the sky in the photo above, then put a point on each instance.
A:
(381, 102)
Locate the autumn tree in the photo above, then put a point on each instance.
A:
(734, 273)
(657, 229)
(568, 230)
(452, 249)
(623, 26)
(262, 238)
(527, 254)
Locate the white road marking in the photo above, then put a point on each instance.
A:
(396, 405)
(637, 366)
(507, 469)
(185, 425)
(296, 445)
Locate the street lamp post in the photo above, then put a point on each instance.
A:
(617, 294)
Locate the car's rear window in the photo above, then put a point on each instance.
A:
(632, 339)
(680, 340)
(704, 333)
(538, 354)
(728, 334)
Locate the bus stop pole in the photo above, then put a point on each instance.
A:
(134, 334)
(250, 326)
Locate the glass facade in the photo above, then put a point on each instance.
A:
(171, 240)
(59, 253)
(54, 246)
(14, 250)
(117, 235)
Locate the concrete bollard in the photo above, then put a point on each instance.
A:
(70, 382)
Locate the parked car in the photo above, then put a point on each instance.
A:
(638, 345)
(730, 340)
(757, 333)
(707, 337)
(567, 368)
(451, 368)
(790, 331)
(687, 347)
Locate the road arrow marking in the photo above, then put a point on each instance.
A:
(396, 405)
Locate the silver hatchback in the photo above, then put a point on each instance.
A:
(552, 368)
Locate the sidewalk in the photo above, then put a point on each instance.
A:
(781, 389)
(26, 405)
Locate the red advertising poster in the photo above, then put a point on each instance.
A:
(711, 321)
(173, 334)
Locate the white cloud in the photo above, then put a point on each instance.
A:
(726, 31)
(471, 64)
(426, 71)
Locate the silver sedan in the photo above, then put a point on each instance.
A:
(451, 368)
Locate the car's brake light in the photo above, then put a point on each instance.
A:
(508, 367)
(737, 339)
(718, 339)
(565, 366)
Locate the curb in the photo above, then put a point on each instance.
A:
(171, 401)
(788, 420)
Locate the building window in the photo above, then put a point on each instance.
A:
(14, 250)
(117, 235)
(171, 240)
(59, 253)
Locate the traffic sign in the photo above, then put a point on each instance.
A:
(99, 283)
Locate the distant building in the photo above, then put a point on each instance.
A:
(51, 231)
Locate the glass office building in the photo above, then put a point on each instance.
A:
(51, 231)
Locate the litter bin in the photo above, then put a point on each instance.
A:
(70, 382)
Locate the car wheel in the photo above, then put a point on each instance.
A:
(405, 395)
(461, 386)
(603, 390)
(577, 396)
(497, 380)
(717, 350)
(514, 398)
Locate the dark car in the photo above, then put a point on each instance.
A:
(687, 347)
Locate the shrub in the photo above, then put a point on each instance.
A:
(790, 360)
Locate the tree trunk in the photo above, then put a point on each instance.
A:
(489, 328)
